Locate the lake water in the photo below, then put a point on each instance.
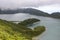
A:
(52, 25)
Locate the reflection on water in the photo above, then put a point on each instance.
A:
(52, 25)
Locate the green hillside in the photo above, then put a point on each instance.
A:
(12, 31)
(28, 21)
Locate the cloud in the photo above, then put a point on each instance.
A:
(26, 3)
(50, 8)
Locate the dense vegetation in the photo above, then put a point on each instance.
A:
(28, 21)
(12, 31)
(38, 30)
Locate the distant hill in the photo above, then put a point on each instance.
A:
(31, 11)
(55, 15)
(35, 12)
(25, 10)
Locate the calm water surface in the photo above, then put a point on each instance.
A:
(52, 25)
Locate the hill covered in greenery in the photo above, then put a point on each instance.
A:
(28, 21)
(12, 31)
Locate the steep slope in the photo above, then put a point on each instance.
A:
(35, 12)
(9, 31)
(12, 31)
(25, 10)
(31, 11)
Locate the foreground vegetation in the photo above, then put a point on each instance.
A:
(12, 31)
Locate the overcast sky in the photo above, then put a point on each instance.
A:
(40, 4)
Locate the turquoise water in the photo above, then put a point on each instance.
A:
(52, 25)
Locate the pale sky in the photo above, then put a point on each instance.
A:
(45, 5)
(50, 8)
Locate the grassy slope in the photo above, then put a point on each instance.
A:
(10, 31)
